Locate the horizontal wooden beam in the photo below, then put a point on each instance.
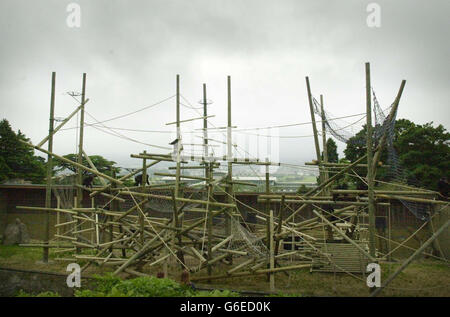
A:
(187, 200)
(249, 273)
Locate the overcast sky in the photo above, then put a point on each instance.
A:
(132, 51)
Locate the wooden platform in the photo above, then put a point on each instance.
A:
(344, 256)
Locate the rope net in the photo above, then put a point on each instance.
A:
(167, 206)
(246, 241)
(63, 189)
(396, 173)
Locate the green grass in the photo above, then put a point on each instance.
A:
(423, 277)
(43, 294)
(14, 251)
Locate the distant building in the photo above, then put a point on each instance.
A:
(258, 180)
(292, 186)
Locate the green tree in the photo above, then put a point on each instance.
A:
(102, 164)
(332, 153)
(356, 145)
(17, 160)
(423, 151)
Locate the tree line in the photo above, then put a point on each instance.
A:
(18, 161)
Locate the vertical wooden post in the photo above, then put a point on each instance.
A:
(209, 221)
(370, 175)
(208, 176)
(177, 177)
(229, 189)
(435, 245)
(93, 224)
(205, 129)
(143, 184)
(97, 232)
(74, 226)
(324, 171)
(80, 145)
(268, 211)
(389, 235)
(48, 188)
(178, 147)
(58, 215)
(79, 180)
(267, 185)
(271, 250)
(324, 143)
(177, 221)
(280, 223)
(313, 121)
(114, 207)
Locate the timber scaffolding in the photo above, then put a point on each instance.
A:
(215, 242)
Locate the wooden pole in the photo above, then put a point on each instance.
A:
(208, 177)
(325, 174)
(241, 274)
(389, 235)
(411, 258)
(229, 189)
(205, 128)
(177, 177)
(79, 179)
(209, 224)
(176, 221)
(114, 207)
(74, 163)
(80, 145)
(93, 167)
(48, 188)
(143, 184)
(370, 174)
(324, 139)
(313, 121)
(324, 184)
(268, 211)
(58, 215)
(279, 226)
(271, 250)
(61, 124)
(125, 177)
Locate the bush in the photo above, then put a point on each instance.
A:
(112, 286)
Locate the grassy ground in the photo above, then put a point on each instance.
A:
(425, 277)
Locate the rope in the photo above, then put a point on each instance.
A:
(117, 134)
(136, 111)
(154, 230)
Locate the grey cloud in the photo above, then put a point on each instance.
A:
(132, 50)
